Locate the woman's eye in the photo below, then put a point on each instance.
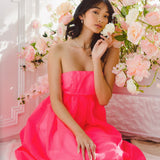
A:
(106, 16)
(95, 12)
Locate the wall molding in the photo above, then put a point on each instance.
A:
(16, 110)
(27, 9)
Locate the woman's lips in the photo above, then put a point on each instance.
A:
(97, 25)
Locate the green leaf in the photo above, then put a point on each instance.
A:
(49, 25)
(45, 34)
(33, 45)
(141, 91)
(128, 44)
(124, 11)
(145, 11)
(51, 37)
(120, 37)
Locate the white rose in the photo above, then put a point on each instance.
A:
(108, 28)
(131, 87)
(132, 15)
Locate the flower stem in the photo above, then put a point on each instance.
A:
(154, 78)
(142, 21)
(121, 2)
(116, 7)
(145, 2)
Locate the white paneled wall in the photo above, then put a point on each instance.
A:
(14, 32)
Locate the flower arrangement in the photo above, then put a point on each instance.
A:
(138, 28)
(136, 32)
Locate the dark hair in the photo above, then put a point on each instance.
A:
(75, 26)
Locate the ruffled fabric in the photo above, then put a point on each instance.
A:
(46, 137)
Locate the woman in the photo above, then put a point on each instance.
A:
(73, 118)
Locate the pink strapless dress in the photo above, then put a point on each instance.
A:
(46, 137)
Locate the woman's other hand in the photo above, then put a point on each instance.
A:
(85, 143)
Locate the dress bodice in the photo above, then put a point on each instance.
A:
(78, 82)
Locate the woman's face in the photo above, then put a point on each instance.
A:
(96, 18)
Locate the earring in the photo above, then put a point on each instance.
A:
(82, 21)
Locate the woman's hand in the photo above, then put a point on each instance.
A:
(84, 142)
(101, 46)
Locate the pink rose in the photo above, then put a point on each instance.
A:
(124, 25)
(118, 68)
(153, 18)
(120, 79)
(150, 35)
(65, 19)
(155, 67)
(157, 40)
(30, 66)
(138, 67)
(43, 84)
(149, 48)
(157, 37)
(135, 32)
(41, 45)
(29, 53)
(35, 24)
(130, 2)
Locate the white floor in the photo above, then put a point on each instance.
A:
(7, 151)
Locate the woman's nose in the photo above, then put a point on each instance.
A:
(100, 19)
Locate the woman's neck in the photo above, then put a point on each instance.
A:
(85, 38)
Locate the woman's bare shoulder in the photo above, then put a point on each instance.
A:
(58, 49)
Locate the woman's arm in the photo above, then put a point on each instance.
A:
(104, 82)
(54, 78)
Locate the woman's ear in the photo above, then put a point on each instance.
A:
(80, 17)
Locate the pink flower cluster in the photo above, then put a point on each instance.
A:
(66, 18)
(28, 53)
(130, 2)
(39, 88)
(153, 18)
(138, 67)
(35, 24)
(140, 33)
(35, 52)
(41, 45)
(138, 37)
(150, 49)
